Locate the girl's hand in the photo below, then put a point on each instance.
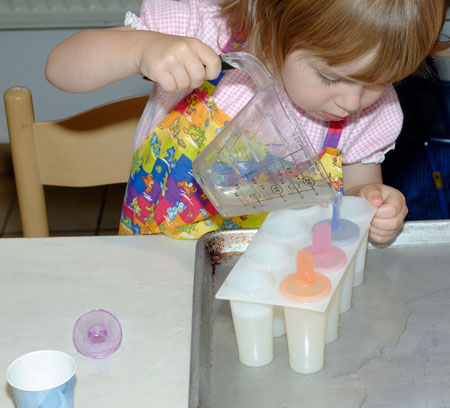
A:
(177, 63)
(390, 213)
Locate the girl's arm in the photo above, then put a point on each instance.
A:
(92, 59)
(357, 175)
(365, 180)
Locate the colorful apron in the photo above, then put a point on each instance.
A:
(162, 196)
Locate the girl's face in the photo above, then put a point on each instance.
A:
(327, 93)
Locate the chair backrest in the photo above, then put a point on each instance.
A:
(89, 149)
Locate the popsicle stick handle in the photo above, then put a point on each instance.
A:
(335, 217)
(321, 239)
(305, 268)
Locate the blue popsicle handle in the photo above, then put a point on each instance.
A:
(335, 216)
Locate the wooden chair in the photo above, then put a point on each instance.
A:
(89, 149)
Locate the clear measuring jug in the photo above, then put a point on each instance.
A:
(262, 160)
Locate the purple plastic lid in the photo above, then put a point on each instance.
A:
(97, 333)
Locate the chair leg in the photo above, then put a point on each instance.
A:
(30, 192)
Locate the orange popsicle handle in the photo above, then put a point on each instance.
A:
(305, 268)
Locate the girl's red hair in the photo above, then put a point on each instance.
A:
(402, 32)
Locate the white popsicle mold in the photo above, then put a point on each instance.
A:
(253, 285)
(253, 325)
(306, 331)
(361, 213)
(253, 322)
(279, 324)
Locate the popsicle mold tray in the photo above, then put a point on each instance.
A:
(295, 278)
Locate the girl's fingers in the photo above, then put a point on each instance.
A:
(386, 232)
(211, 61)
(386, 229)
(167, 82)
(196, 71)
(388, 224)
(381, 239)
(179, 63)
(390, 213)
(382, 236)
(181, 77)
(373, 195)
(392, 207)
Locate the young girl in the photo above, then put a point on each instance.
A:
(337, 60)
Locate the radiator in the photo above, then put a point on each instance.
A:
(30, 14)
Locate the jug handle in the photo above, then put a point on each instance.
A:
(251, 64)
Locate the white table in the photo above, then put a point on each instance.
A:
(147, 282)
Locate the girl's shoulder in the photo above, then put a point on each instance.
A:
(190, 18)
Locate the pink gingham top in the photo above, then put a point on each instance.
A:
(366, 137)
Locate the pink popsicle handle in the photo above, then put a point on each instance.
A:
(321, 239)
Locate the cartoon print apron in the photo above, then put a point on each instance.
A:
(162, 196)
(331, 157)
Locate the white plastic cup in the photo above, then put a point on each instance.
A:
(42, 379)
(253, 327)
(347, 287)
(334, 311)
(360, 261)
(305, 330)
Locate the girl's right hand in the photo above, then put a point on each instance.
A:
(177, 63)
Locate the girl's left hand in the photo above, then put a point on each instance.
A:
(390, 213)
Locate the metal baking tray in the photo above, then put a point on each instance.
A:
(393, 348)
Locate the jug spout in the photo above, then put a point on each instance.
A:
(252, 65)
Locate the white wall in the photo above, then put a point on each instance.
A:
(22, 60)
